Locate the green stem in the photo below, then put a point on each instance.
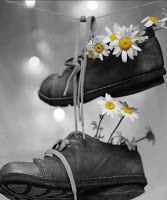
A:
(101, 118)
(140, 139)
(115, 128)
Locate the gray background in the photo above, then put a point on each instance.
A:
(27, 127)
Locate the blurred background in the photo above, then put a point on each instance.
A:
(34, 44)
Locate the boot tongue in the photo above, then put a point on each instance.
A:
(75, 135)
(62, 144)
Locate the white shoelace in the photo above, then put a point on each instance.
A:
(78, 94)
(53, 152)
(78, 86)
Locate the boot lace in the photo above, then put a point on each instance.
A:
(56, 151)
(79, 65)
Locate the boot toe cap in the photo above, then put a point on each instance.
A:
(47, 87)
(20, 167)
(53, 86)
(52, 90)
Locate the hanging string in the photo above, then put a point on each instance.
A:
(74, 19)
(42, 10)
(127, 9)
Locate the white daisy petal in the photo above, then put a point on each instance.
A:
(136, 47)
(148, 23)
(103, 112)
(116, 50)
(131, 27)
(132, 118)
(124, 28)
(130, 53)
(115, 27)
(144, 37)
(145, 19)
(118, 54)
(101, 56)
(135, 28)
(106, 39)
(108, 30)
(135, 52)
(135, 116)
(135, 40)
(134, 34)
(105, 52)
(89, 46)
(111, 114)
(119, 35)
(142, 33)
(101, 102)
(111, 47)
(96, 54)
(90, 42)
(163, 20)
(124, 56)
(106, 46)
(108, 97)
(115, 42)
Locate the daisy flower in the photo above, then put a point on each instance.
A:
(164, 12)
(153, 20)
(149, 136)
(109, 106)
(140, 38)
(126, 43)
(97, 48)
(129, 112)
(111, 34)
(89, 50)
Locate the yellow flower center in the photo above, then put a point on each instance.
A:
(90, 54)
(153, 19)
(113, 36)
(125, 43)
(99, 48)
(127, 109)
(110, 105)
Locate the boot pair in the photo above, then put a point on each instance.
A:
(88, 168)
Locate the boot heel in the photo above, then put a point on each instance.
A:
(133, 89)
(138, 84)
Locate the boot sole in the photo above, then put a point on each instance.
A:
(121, 192)
(27, 187)
(127, 192)
(119, 89)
